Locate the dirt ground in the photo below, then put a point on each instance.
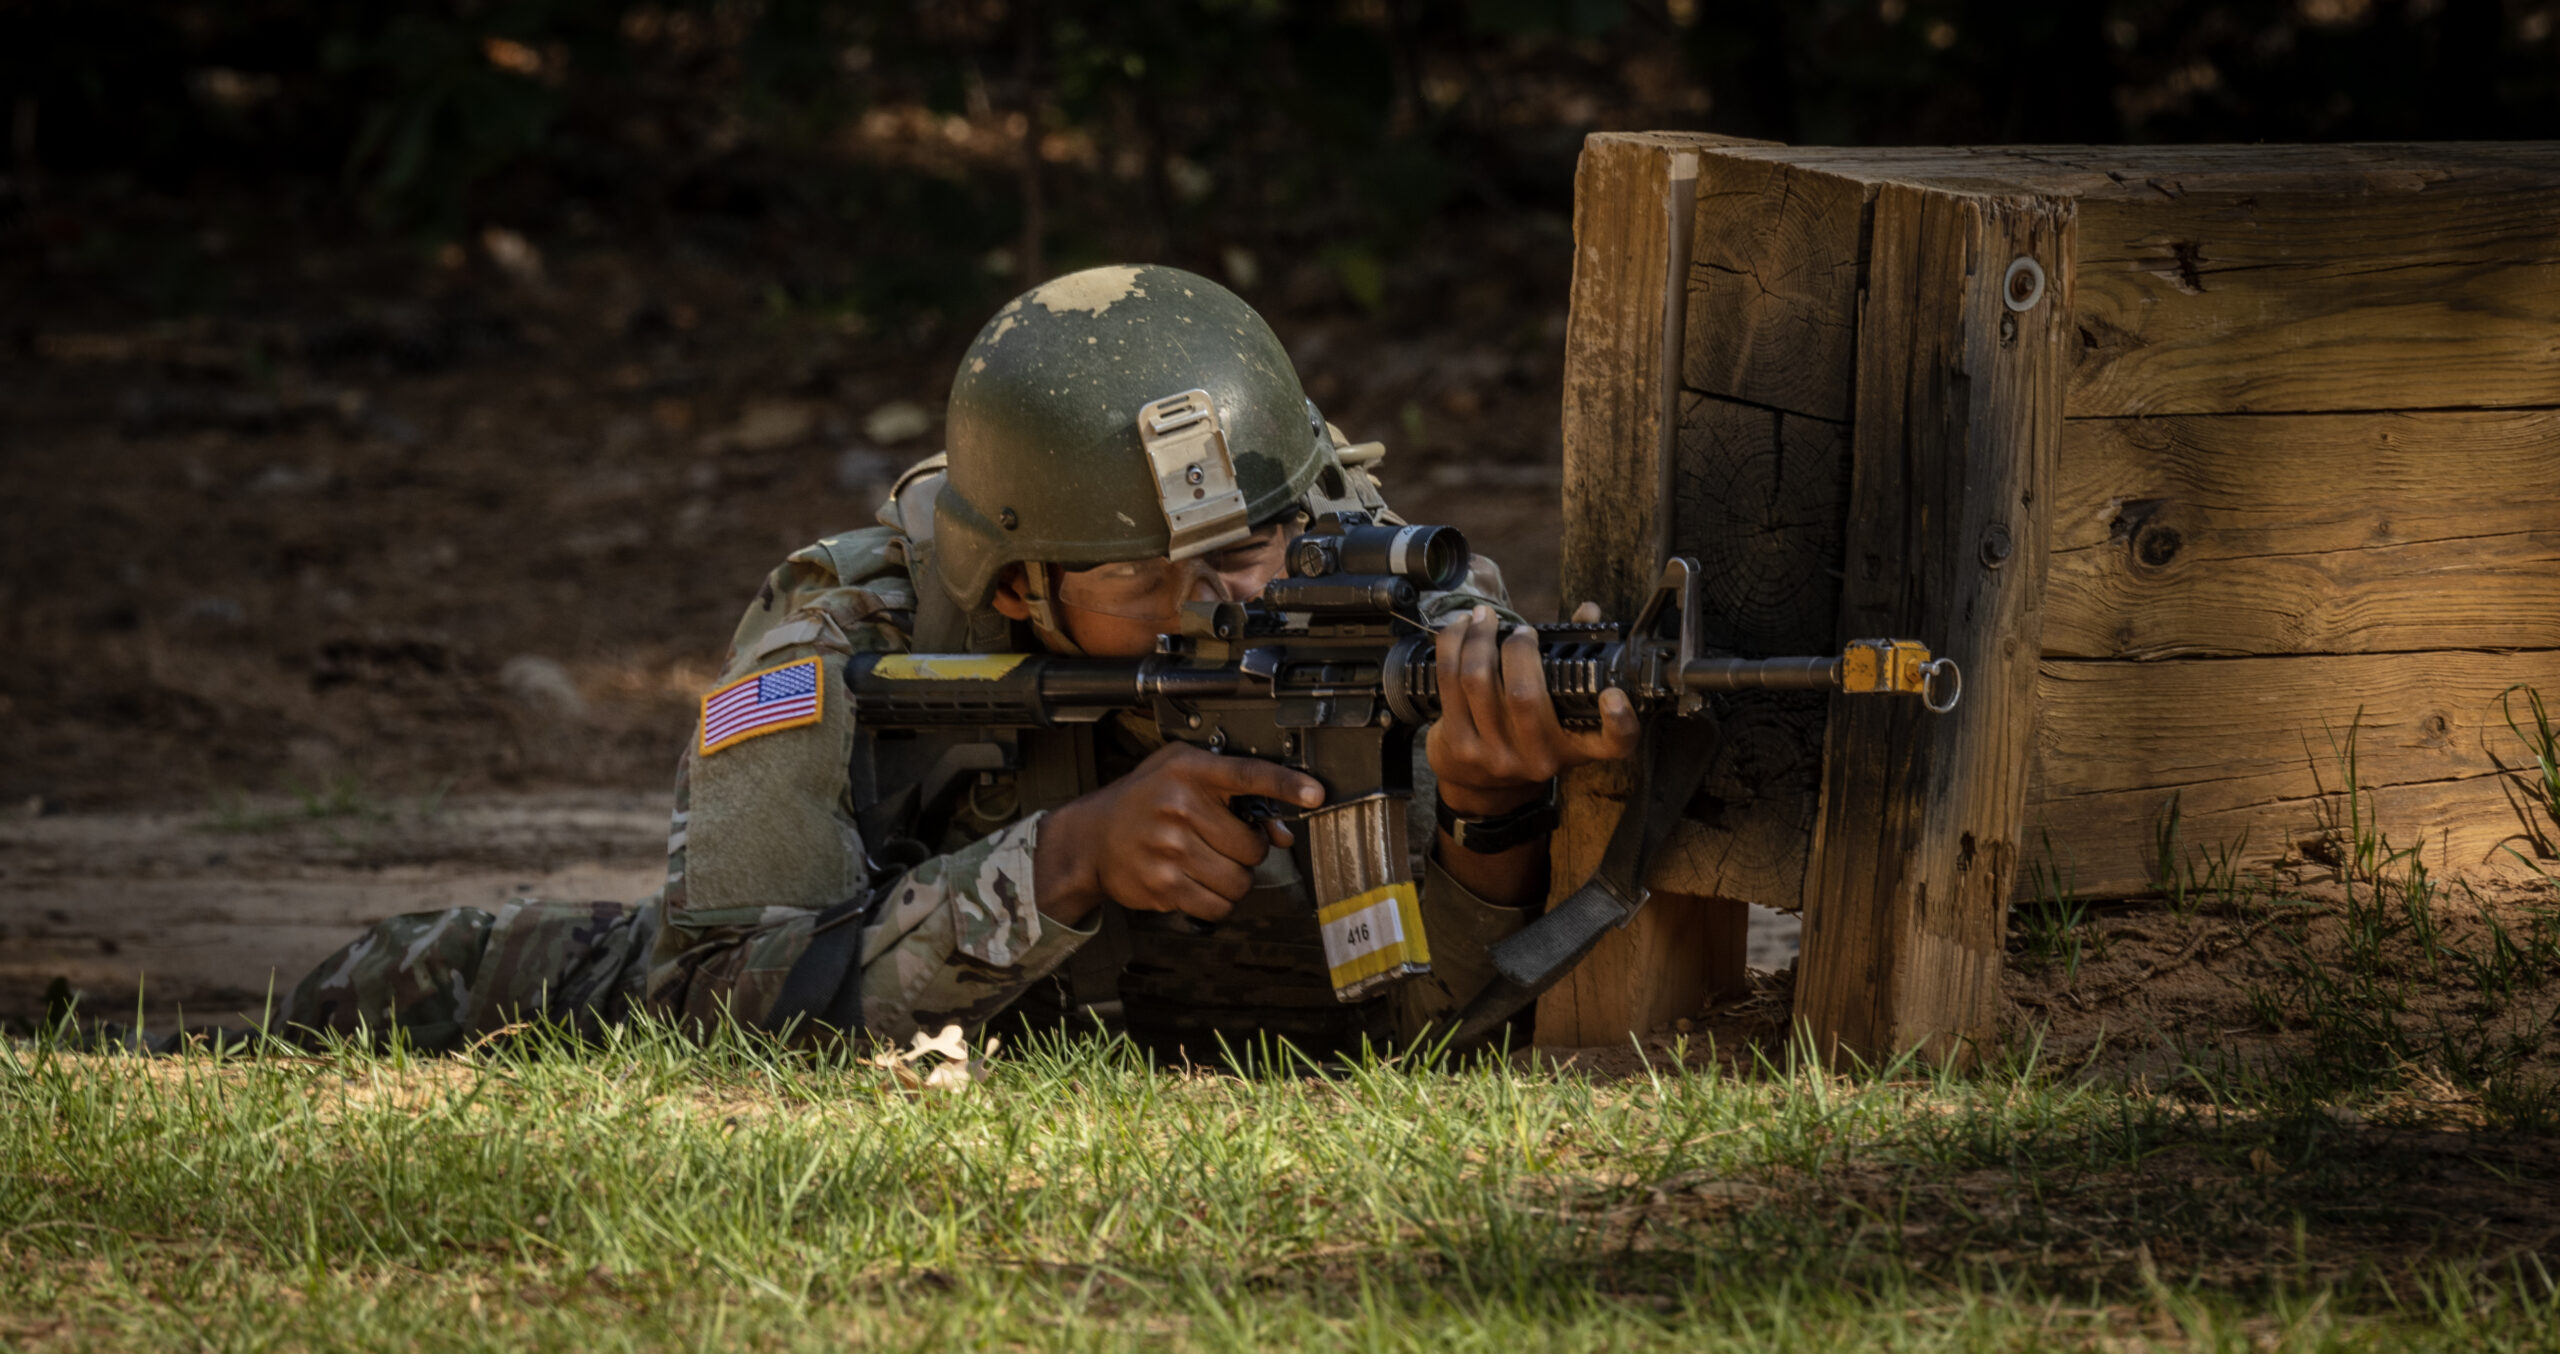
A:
(203, 911)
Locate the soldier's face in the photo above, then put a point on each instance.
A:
(1117, 610)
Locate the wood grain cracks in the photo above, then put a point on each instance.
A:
(1760, 498)
(2306, 533)
(1775, 264)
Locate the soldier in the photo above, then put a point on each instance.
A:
(1141, 899)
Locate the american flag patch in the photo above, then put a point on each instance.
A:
(764, 702)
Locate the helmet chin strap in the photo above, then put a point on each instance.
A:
(1044, 611)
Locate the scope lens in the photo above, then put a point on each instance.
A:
(1311, 556)
(1444, 558)
(1431, 557)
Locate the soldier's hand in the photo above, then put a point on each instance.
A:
(1498, 741)
(1162, 838)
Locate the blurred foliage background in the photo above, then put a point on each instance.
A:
(408, 393)
(980, 143)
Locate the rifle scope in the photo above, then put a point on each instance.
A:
(1432, 558)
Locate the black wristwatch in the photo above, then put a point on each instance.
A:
(1499, 832)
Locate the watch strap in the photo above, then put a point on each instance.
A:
(1498, 832)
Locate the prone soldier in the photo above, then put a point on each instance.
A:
(1141, 898)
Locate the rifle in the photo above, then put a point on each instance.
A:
(1332, 671)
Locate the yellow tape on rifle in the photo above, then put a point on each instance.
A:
(961, 667)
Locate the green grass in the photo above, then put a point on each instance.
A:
(2380, 1171)
(2053, 925)
(2389, 989)
(2541, 740)
(2212, 875)
(656, 1192)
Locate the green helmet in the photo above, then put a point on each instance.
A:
(1117, 414)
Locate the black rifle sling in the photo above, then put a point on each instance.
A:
(821, 988)
(1532, 959)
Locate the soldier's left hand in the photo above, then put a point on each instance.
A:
(1498, 741)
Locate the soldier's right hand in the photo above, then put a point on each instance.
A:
(1162, 838)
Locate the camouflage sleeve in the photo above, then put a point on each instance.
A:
(959, 938)
(764, 838)
(443, 978)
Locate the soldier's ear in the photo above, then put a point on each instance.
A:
(1008, 599)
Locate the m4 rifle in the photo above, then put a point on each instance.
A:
(1333, 671)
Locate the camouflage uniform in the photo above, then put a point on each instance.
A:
(447, 977)
(763, 839)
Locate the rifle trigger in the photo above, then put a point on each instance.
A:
(1256, 810)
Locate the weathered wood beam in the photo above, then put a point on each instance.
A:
(2252, 752)
(2425, 293)
(2109, 845)
(1759, 494)
(1958, 417)
(2305, 533)
(1621, 366)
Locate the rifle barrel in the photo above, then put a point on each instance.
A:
(1761, 674)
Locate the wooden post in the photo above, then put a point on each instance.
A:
(1759, 495)
(1622, 361)
(1631, 230)
(1959, 410)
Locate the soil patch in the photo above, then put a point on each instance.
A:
(205, 913)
